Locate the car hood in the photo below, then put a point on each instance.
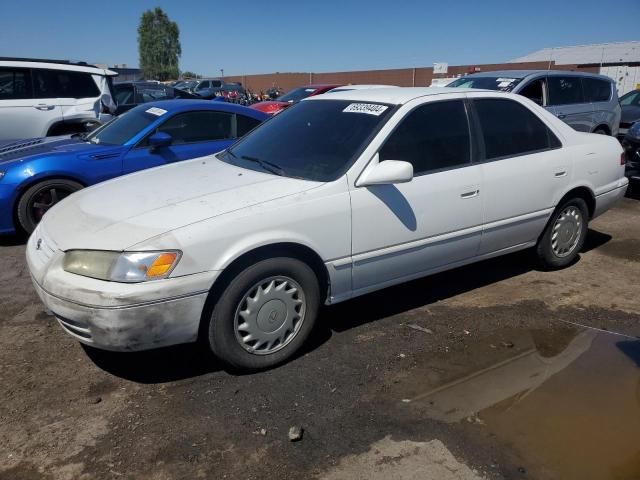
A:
(120, 213)
(22, 149)
(630, 114)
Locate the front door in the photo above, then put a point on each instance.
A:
(406, 230)
(194, 134)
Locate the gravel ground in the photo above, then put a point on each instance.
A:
(359, 392)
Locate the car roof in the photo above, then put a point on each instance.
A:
(391, 95)
(187, 104)
(361, 86)
(74, 67)
(527, 73)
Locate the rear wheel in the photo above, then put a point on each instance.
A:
(39, 198)
(564, 235)
(265, 314)
(601, 131)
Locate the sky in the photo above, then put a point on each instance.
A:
(244, 37)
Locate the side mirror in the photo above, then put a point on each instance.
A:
(386, 172)
(159, 140)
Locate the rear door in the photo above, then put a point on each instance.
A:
(523, 169)
(195, 134)
(600, 93)
(21, 115)
(568, 103)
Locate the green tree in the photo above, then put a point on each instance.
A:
(158, 45)
(189, 74)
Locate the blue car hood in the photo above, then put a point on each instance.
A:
(21, 149)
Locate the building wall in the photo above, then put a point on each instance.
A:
(402, 77)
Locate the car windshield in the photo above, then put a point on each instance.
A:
(121, 129)
(297, 94)
(189, 84)
(631, 98)
(502, 83)
(313, 140)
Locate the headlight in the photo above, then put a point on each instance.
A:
(127, 267)
(1, 175)
(634, 131)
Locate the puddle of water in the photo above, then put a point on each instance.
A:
(566, 401)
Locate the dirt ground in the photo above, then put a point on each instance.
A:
(495, 370)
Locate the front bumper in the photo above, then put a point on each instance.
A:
(632, 154)
(7, 201)
(117, 316)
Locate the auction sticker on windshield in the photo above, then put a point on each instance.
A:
(156, 111)
(368, 108)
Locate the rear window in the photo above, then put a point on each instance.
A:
(501, 83)
(565, 90)
(63, 84)
(509, 129)
(596, 90)
(297, 94)
(15, 83)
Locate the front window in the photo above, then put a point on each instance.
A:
(501, 83)
(297, 94)
(631, 98)
(314, 140)
(121, 129)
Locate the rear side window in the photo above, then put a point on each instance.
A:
(432, 137)
(246, 124)
(63, 84)
(124, 94)
(596, 90)
(192, 127)
(15, 84)
(565, 90)
(510, 129)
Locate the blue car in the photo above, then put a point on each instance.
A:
(35, 174)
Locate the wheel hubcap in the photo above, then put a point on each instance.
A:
(270, 315)
(44, 199)
(566, 232)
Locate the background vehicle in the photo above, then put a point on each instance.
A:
(49, 97)
(630, 104)
(336, 197)
(294, 96)
(130, 94)
(631, 145)
(35, 174)
(587, 102)
(209, 88)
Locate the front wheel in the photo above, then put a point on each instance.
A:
(564, 235)
(39, 198)
(265, 314)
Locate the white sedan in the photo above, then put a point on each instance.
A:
(340, 195)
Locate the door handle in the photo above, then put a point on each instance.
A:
(563, 173)
(43, 106)
(473, 193)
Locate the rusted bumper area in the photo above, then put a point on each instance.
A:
(141, 326)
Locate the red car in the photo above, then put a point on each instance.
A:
(294, 96)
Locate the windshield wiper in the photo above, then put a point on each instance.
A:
(266, 165)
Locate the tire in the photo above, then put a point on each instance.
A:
(571, 213)
(601, 131)
(28, 211)
(231, 343)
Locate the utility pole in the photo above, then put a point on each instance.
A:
(222, 72)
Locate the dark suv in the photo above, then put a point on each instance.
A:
(130, 94)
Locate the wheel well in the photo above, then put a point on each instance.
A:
(603, 127)
(65, 128)
(285, 249)
(584, 193)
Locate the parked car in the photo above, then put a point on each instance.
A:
(36, 174)
(630, 103)
(130, 94)
(209, 88)
(187, 85)
(631, 145)
(337, 196)
(48, 97)
(276, 106)
(587, 102)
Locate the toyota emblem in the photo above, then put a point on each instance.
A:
(38, 244)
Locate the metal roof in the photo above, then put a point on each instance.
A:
(617, 52)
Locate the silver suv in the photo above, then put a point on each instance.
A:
(587, 102)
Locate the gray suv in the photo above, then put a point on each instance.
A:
(587, 102)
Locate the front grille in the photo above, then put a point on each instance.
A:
(75, 328)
